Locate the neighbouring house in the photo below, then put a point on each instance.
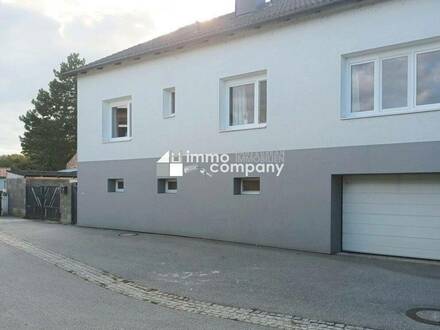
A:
(3, 171)
(3, 194)
(72, 165)
(348, 89)
(42, 195)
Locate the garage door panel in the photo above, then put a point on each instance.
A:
(427, 210)
(393, 231)
(416, 183)
(392, 220)
(395, 215)
(383, 246)
(395, 198)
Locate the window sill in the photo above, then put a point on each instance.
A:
(242, 128)
(388, 113)
(169, 116)
(127, 139)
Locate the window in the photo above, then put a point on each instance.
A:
(428, 78)
(246, 186)
(393, 82)
(168, 186)
(117, 120)
(169, 102)
(171, 186)
(362, 87)
(116, 185)
(245, 103)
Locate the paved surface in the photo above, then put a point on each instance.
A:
(351, 290)
(35, 295)
(120, 285)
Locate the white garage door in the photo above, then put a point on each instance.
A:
(397, 215)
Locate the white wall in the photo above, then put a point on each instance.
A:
(303, 63)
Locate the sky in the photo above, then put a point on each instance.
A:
(37, 35)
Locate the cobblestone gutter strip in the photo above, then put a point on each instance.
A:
(180, 303)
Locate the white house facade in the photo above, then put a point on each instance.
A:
(348, 90)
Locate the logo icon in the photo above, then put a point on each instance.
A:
(170, 165)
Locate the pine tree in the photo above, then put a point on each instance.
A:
(50, 136)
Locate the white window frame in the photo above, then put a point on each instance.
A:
(111, 105)
(171, 191)
(249, 192)
(168, 104)
(411, 53)
(225, 105)
(118, 190)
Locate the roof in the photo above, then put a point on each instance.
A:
(46, 174)
(223, 26)
(3, 171)
(72, 163)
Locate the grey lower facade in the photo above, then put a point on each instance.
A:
(301, 209)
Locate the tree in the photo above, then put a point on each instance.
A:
(50, 136)
(16, 161)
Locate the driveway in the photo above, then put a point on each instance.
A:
(369, 292)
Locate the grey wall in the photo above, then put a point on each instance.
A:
(17, 197)
(301, 209)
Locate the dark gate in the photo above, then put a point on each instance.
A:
(43, 202)
(74, 202)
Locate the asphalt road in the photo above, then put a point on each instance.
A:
(355, 290)
(35, 295)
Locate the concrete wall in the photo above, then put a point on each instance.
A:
(303, 63)
(17, 196)
(301, 209)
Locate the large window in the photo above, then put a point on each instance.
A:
(245, 103)
(400, 81)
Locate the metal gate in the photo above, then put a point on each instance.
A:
(43, 202)
(74, 202)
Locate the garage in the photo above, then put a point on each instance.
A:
(395, 215)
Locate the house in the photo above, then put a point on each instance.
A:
(347, 91)
(3, 171)
(44, 195)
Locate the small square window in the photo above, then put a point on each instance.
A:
(116, 185)
(171, 186)
(169, 102)
(167, 186)
(246, 186)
